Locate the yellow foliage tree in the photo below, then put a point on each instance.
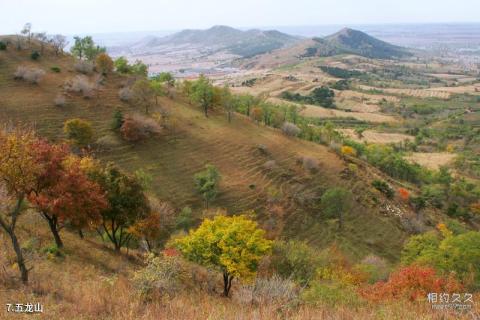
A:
(348, 151)
(234, 245)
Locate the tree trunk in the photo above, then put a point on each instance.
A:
(53, 223)
(80, 233)
(229, 116)
(20, 260)
(205, 110)
(227, 284)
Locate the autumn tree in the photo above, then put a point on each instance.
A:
(156, 226)
(79, 132)
(206, 183)
(18, 170)
(202, 93)
(104, 63)
(63, 192)
(337, 202)
(142, 94)
(127, 204)
(233, 245)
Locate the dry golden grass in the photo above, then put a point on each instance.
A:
(91, 282)
(432, 160)
(372, 136)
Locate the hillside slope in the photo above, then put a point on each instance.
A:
(239, 150)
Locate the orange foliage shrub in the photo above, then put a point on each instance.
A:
(256, 114)
(348, 151)
(404, 194)
(413, 283)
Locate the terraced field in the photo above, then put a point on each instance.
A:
(239, 150)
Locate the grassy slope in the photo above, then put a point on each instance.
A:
(173, 161)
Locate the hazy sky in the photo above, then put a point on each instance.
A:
(98, 16)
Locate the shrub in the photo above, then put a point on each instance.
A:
(3, 45)
(60, 100)
(32, 75)
(290, 129)
(35, 55)
(384, 188)
(412, 282)
(125, 94)
(404, 194)
(163, 275)
(331, 294)
(138, 128)
(118, 120)
(84, 67)
(56, 69)
(310, 164)
(295, 260)
(104, 63)
(79, 131)
(82, 85)
(375, 267)
(348, 151)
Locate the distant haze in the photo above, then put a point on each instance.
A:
(107, 16)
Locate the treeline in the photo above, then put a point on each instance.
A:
(322, 96)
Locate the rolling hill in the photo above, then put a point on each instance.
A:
(237, 149)
(242, 43)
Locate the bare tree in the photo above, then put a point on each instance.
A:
(42, 39)
(58, 42)
(27, 32)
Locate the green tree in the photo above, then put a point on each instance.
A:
(337, 202)
(157, 88)
(226, 100)
(86, 48)
(206, 183)
(121, 65)
(233, 245)
(127, 203)
(79, 132)
(202, 93)
(185, 219)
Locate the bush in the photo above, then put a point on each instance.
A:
(79, 131)
(163, 275)
(295, 260)
(138, 128)
(290, 129)
(104, 63)
(60, 100)
(35, 55)
(269, 290)
(3, 45)
(375, 267)
(82, 85)
(56, 69)
(125, 94)
(310, 164)
(384, 188)
(32, 75)
(84, 67)
(411, 283)
(118, 120)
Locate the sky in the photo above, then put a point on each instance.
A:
(105, 16)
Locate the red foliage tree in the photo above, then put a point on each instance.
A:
(404, 194)
(63, 191)
(412, 282)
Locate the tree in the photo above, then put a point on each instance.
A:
(226, 100)
(157, 88)
(58, 42)
(121, 65)
(155, 227)
(202, 93)
(142, 94)
(127, 204)
(42, 39)
(104, 63)
(18, 170)
(337, 202)
(234, 245)
(86, 48)
(79, 132)
(27, 32)
(206, 183)
(63, 191)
